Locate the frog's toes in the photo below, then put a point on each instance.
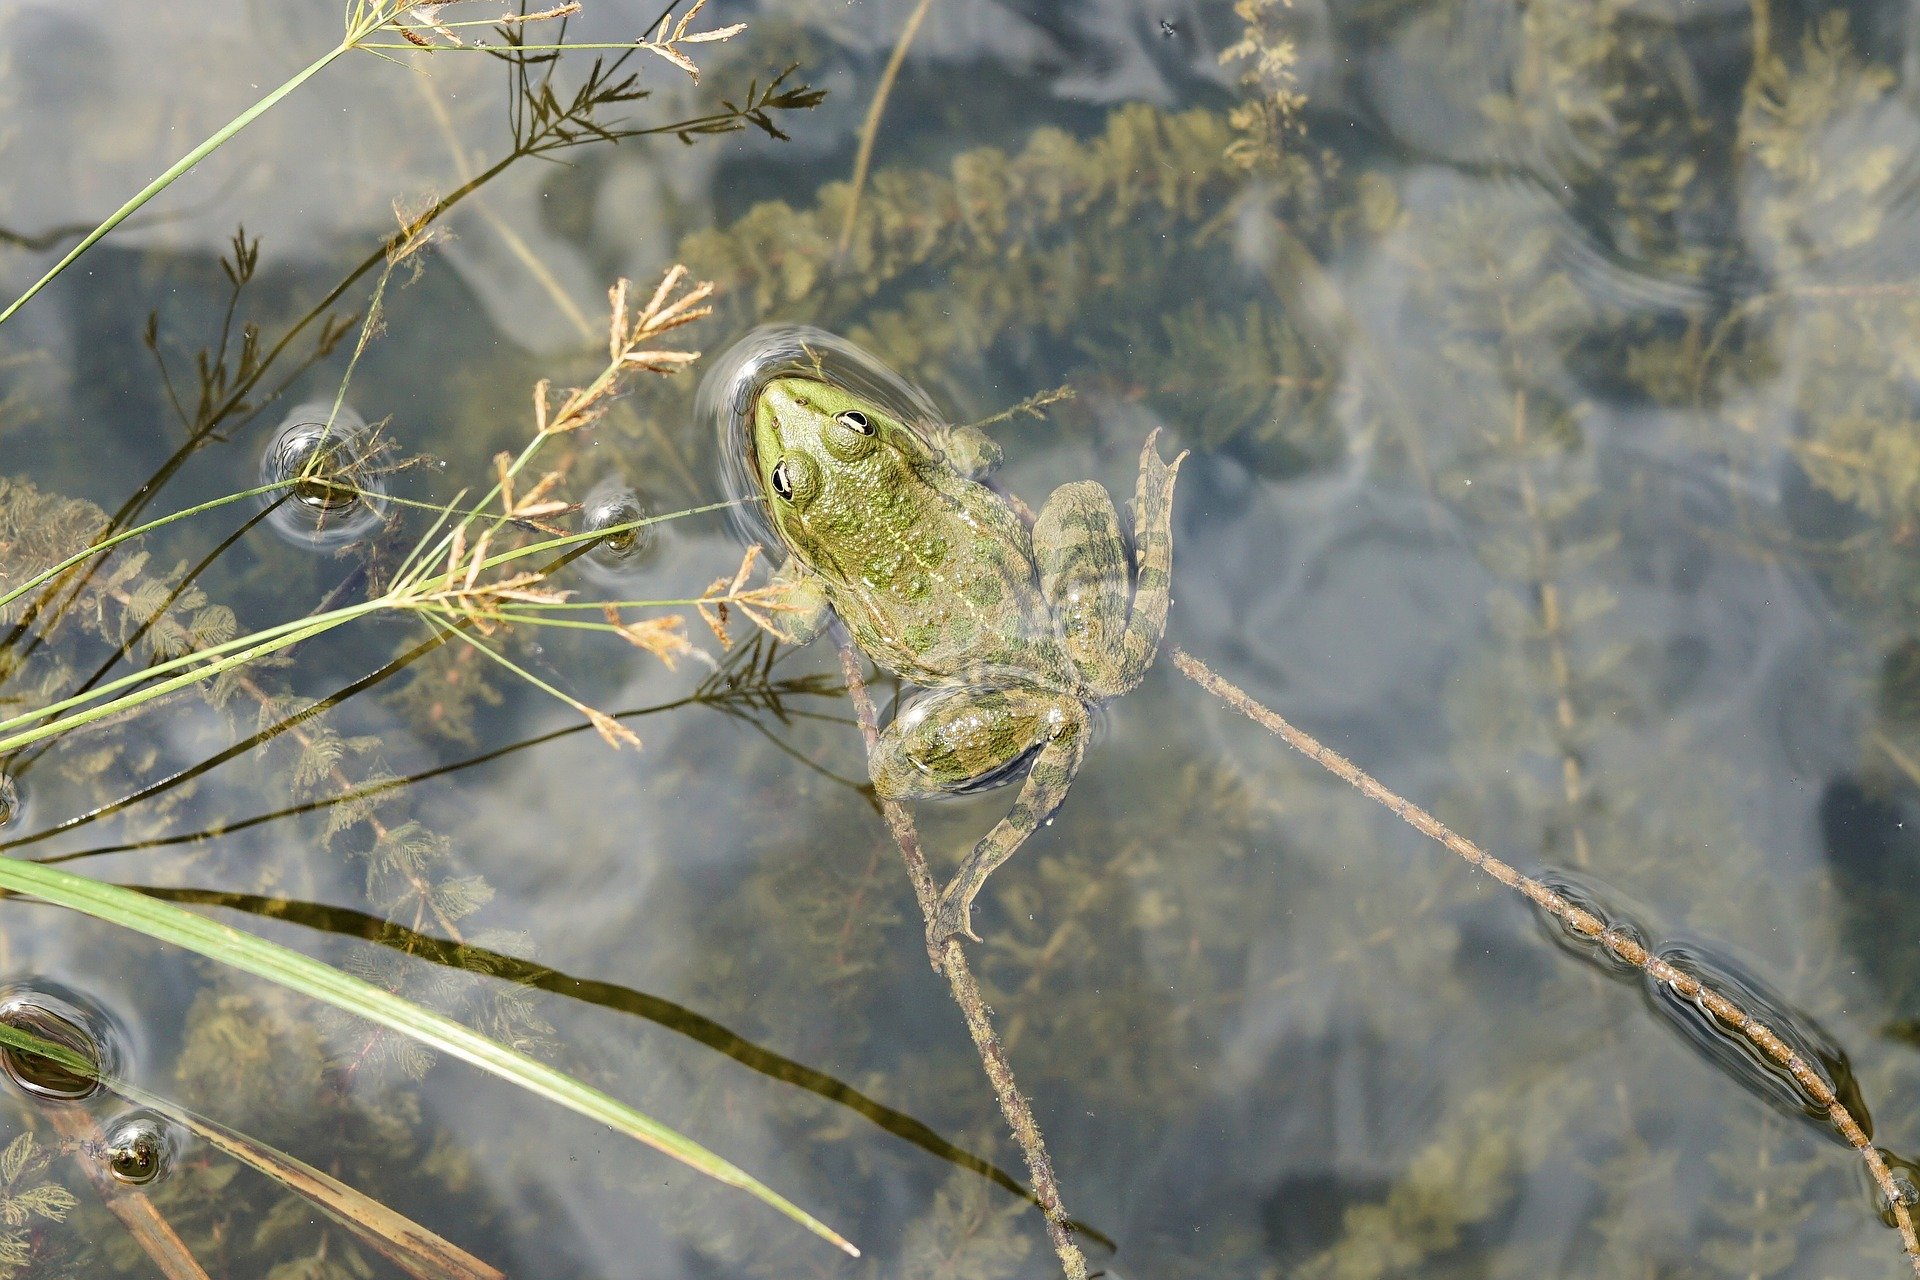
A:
(1152, 464)
(953, 918)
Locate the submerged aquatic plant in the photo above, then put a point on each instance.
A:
(365, 20)
(1069, 246)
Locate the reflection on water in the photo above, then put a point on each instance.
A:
(1550, 375)
(140, 1147)
(327, 454)
(70, 1022)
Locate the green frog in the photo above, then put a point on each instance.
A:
(1015, 626)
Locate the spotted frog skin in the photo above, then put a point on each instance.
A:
(1014, 626)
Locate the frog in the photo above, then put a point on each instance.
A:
(1014, 626)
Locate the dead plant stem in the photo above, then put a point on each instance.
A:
(950, 960)
(870, 127)
(1620, 944)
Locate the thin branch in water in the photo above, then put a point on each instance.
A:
(949, 959)
(1618, 943)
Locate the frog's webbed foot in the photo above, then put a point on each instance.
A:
(1054, 765)
(968, 450)
(803, 610)
(953, 918)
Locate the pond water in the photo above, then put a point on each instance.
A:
(1549, 377)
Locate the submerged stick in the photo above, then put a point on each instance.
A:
(950, 960)
(1618, 943)
(870, 128)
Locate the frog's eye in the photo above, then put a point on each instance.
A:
(854, 420)
(782, 479)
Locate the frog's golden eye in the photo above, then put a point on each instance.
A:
(782, 479)
(854, 420)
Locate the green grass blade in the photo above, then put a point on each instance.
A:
(179, 167)
(252, 954)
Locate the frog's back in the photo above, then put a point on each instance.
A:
(936, 592)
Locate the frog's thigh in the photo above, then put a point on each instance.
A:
(948, 740)
(1082, 558)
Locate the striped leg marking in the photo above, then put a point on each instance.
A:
(1046, 786)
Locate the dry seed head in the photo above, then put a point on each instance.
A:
(615, 734)
(724, 595)
(558, 11)
(664, 638)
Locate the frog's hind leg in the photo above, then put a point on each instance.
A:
(952, 740)
(1082, 557)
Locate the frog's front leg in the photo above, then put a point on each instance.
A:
(804, 610)
(1084, 574)
(968, 450)
(953, 740)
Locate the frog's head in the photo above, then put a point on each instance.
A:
(817, 449)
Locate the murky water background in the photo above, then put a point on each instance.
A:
(1552, 399)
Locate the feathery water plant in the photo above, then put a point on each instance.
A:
(466, 577)
(365, 20)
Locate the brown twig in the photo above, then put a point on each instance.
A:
(1618, 943)
(950, 960)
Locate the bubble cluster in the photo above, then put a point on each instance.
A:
(86, 1038)
(140, 1147)
(338, 497)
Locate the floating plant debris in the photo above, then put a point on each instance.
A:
(140, 1147)
(1906, 1182)
(69, 1022)
(1727, 1047)
(338, 497)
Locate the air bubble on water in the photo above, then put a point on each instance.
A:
(10, 801)
(338, 497)
(617, 559)
(68, 1021)
(140, 1147)
(732, 388)
(1604, 904)
(1730, 1050)
(1906, 1186)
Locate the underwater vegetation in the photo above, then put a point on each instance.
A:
(1548, 371)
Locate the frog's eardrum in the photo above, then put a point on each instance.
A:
(733, 385)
